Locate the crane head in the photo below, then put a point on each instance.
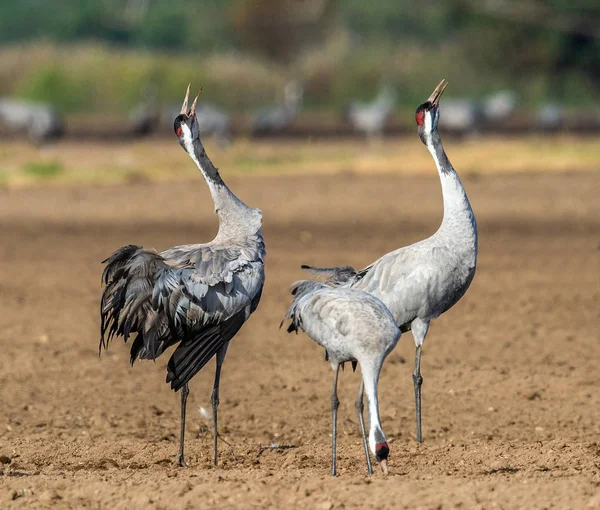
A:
(427, 115)
(382, 450)
(186, 124)
(379, 447)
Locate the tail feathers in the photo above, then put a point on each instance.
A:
(117, 260)
(331, 275)
(299, 289)
(192, 354)
(126, 305)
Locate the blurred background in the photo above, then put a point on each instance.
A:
(116, 70)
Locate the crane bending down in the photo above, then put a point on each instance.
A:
(421, 281)
(352, 326)
(196, 295)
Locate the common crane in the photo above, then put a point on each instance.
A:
(370, 118)
(421, 281)
(40, 121)
(197, 295)
(275, 119)
(352, 326)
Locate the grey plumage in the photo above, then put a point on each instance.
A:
(147, 117)
(192, 294)
(549, 117)
(499, 105)
(197, 296)
(352, 326)
(40, 121)
(275, 119)
(369, 118)
(331, 274)
(421, 281)
(462, 116)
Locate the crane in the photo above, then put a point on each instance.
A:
(40, 121)
(197, 295)
(147, 117)
(370, 118)
(352, 326)
(421, 281)
(275, 119)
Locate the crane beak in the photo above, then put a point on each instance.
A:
(434, 98)
(193, 109)
(184, 107)
(384, 466)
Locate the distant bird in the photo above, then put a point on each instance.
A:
(40, 121)
(146, 118)
(352, 326)
(212, 121)
(369, 118)
(276, 119)
(549, 117)
(498, 106)
(198, 295)
(421, 281)
(462, 116)
(215, 122)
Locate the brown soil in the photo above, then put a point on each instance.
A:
(511, 400)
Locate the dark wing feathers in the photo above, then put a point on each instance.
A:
(331, 275)
(191, 355)
(199, 296)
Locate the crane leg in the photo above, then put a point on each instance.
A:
(215, 400)
(358, 403)
(184, 395)
(418, 381)
(335, 403)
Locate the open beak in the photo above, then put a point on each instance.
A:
(184, 107)
(384, 466)
(434, 98)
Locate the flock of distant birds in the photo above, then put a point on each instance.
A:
(43, 123)
(196, 297)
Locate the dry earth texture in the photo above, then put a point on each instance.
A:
(511, 401)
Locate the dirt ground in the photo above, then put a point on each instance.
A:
(510, 394)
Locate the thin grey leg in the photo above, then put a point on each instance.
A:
(418, 381)
(184, 394)
(335, 403)
(215, 400)
(358, 403)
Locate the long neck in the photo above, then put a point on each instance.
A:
(236, 219)
(376, 435)
(457, 209)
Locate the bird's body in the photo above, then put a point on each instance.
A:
(549, 117)
(462, 116)
(215, 122)
(499, 105)
(419, 282)
(147, 117)
(425, 279)
(369, 118)
(352, 326)
(276, 119)
(40, 121)
(197, 296)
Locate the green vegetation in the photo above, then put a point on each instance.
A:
(43, 169)
(108, 55)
